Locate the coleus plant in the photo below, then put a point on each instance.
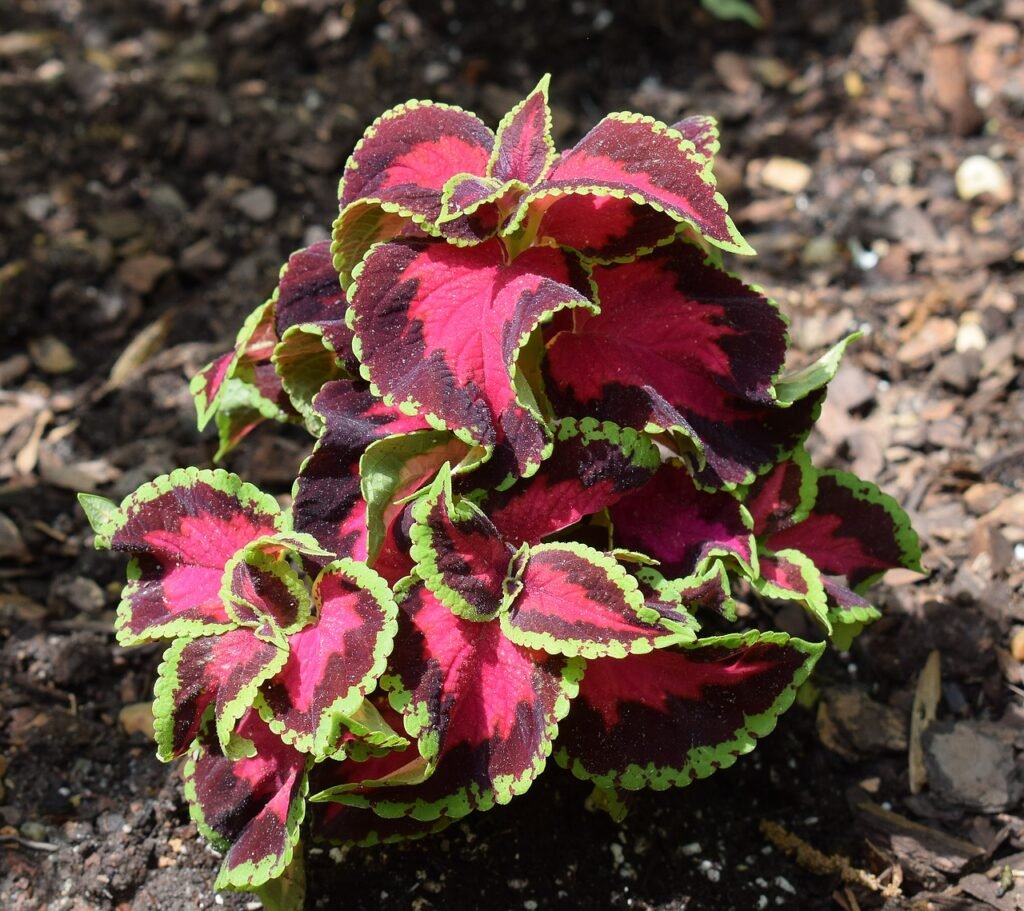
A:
(555, 443)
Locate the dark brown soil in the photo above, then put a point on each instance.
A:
(131, 138)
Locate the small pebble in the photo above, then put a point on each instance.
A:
(786, 174)
(258, 203)
(1017, 645)
(33, 831)
(979, 175)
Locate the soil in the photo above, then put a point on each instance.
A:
(160, 159)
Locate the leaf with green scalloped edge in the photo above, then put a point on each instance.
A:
(599, 226)
(848, 612)
(438, 330)
(681, 345)
(484, 712)
(254, 344)
(222, 672)
(306, 359)
(314, 342)
(287, 891)
(573, 600)
(676, 714)
(790, 575)
(702, 131)
(342, 825)
(683, 527)
(395, 177)
(332, 663)
(853, 531)
(251, 808)
(783, 496)
(638, 159)
(524, 149)
(592, 465)
(327, 499)
(246, 402)
(458, 552)
(181, 530)
(261, 590)
(670, 603)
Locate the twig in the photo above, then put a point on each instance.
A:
(28, 843)
(815, 861)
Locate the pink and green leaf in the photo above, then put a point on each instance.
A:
(634, 157)
(676, 714)
(254, 344)
(222, 671)
(853, 531)
(702, 131)
(484, 711)
(670, 603)
(342, 825)
(682, 526)
(309, 292)
(790, 575)
(400, 168)
(592, 465)
(602, 227)
(473, 207)
(524, 150)
(263, 592)
(361, 225)
(251, 808)
(784, 495)
(848, 612)
(708, 590)
(315, 344)
(438, 330)
(335, 662)
(394, 768)
(248, 399)
(458, 552)
(681, 345)
(409, 153)
(573, 600)
(182, 529)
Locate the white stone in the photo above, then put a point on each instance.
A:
(979, 175)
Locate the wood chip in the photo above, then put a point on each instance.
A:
(926, 703)
(138, 351)
(141, 273)
(12, 545)
(26, 459)
(912, 840)
(137, 718)
(51, 355)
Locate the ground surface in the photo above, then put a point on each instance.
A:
(159, 160)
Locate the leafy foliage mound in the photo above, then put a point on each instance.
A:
(555, 447)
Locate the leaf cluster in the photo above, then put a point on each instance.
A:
(555, 447)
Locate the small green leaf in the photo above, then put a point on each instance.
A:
(102, 515)
(734, 9)
(803, 382)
